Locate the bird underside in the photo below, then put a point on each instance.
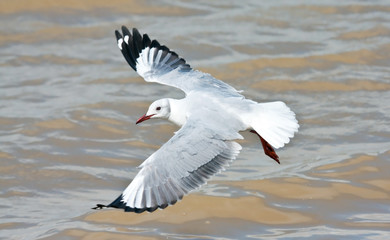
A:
(268, 150)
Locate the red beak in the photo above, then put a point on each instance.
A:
(144, 118)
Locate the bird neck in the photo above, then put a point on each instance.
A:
(178, 111)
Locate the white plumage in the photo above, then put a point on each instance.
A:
(211, 116)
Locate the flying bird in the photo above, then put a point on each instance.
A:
(211, 115)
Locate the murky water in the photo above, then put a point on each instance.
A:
(69, 101)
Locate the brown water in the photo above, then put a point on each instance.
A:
(68, 103)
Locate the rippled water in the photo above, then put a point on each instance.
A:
(68, 103)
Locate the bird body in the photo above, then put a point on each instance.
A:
(243, 114)
(211, 116)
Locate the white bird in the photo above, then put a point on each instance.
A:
(211, 116)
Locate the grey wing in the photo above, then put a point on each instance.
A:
(185, 162)
(157, 63)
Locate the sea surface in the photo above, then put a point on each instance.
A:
(69, 102)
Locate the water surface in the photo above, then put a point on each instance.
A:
(69, 101)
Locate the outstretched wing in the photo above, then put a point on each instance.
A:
(156, 63)
(185, 162)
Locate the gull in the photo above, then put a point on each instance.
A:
(211, 116)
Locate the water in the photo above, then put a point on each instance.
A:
(68, 104)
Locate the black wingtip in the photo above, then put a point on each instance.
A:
(118, 203)
(125, 31)
(146, 41)
(133, 43)
(117, 35)
(154, 44)
(136, 33)
(137, 43)
(99, 206)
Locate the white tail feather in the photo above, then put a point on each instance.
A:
(275, 122)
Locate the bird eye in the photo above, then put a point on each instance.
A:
(158, 108)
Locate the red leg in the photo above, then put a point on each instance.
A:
(268, 149)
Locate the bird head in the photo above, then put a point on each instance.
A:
(158, 109)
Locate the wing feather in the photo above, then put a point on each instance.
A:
(157, 63)
(184, 163)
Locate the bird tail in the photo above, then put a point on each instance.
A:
(274, 122)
